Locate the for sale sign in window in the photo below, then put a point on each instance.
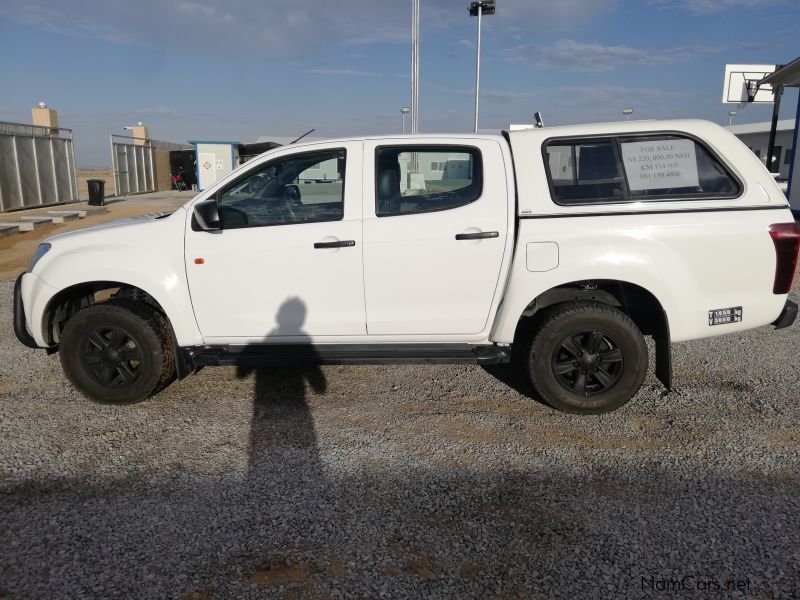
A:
(660, 164)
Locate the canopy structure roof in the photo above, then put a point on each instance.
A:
(786, 76)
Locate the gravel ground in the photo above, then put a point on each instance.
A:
(402, 482)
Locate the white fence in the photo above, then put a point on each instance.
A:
(37, 166)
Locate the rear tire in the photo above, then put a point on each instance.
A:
(118, 352)
(587, 358)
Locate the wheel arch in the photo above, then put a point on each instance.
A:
(640, 304)
(69, 300)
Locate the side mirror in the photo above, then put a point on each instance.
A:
(206, 214)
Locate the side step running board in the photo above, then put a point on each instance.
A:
(347, 354)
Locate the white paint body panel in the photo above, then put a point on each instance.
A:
(691, 263)
(419, 279)
(144, 252)
(408, 280)
(251, 276)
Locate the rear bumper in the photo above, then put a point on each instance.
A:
(20, 326)
(787, 316)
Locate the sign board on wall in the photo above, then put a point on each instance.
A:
(662, 164)
(205, 170)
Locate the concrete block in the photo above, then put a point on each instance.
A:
(20, 225)
(6, 230)
(37, 220)
(68, 214)
(49, 218)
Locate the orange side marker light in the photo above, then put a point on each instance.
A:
(199, 261)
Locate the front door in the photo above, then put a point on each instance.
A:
(435, 227)
(287, 264)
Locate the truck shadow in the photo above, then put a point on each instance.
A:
(511, 374)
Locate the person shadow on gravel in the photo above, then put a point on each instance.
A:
(282, 428)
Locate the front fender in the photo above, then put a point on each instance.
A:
(146, 254)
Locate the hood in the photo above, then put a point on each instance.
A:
(127, 222)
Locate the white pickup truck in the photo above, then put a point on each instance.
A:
(559, 247)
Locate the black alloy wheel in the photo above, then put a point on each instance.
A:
(112, 356)
(118, 351)
(588, 362)
(586, 358)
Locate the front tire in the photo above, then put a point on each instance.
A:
(117, 352)
(587, 358)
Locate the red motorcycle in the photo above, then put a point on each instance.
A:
(178, 183)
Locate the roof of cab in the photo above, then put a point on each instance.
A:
(423, 137)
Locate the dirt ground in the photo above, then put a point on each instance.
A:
(16, 250)
(84, 175)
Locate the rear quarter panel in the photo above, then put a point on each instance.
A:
(692, 255)
(691, 262)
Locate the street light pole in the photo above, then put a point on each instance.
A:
(478, 67)
(478, 9)
(415, 65)
(627, 112)
(731, 114)
(404, 111)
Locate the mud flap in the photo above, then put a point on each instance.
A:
(663, 353)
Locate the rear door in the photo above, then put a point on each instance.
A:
(435, 228)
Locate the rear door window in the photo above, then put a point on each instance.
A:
(420, 179)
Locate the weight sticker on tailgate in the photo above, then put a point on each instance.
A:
(721, 316)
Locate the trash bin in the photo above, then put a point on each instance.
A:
(96, 192)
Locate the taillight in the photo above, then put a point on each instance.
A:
(786, 237)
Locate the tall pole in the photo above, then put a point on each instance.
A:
(415, 65)
(478, 68)
(776, 109)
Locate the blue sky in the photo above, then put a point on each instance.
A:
(213, 69)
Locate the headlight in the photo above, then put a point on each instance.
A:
(40, 252)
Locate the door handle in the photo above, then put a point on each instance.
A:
(481, 235)
(338, 244)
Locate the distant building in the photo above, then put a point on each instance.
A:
(756, 136)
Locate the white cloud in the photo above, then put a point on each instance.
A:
(595, 57)
(296, 28)
(706, 7)
(162, 110)
(566, 93)
(344, 73)
(605, 93)
(207, 10)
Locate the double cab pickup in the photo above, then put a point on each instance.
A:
(556, 249)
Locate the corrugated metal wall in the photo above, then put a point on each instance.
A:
(133, 167)
(135, 161)
(37, 166)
